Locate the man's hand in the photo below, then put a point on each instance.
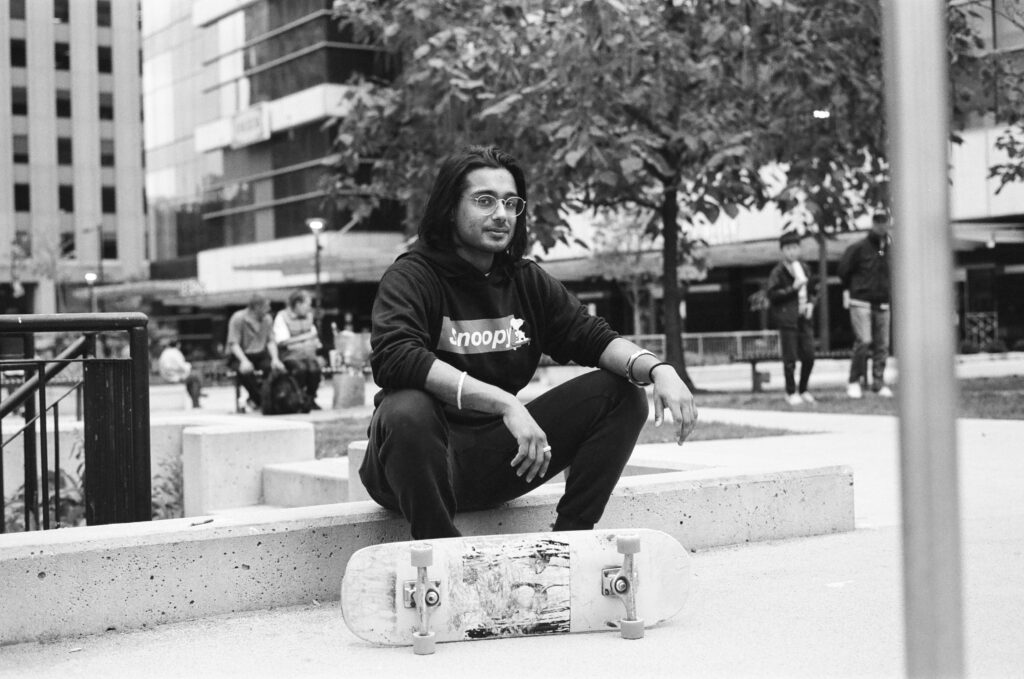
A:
(245, 366)
(534, 454)
(671, 393)
(277, 366)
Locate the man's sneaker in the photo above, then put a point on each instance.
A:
(794, 400)
(853, 390)
(885, 392)
(808, 397)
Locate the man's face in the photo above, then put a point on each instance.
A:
(303, 306)
(791, 252)
(881, 228)
(479, 236)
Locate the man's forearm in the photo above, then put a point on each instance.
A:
(616, 355)
(443, 381)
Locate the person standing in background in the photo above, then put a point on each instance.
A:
(867, 293)
(792, 294)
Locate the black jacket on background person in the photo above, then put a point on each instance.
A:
(433, 304)
(785, 297)
(864, 269)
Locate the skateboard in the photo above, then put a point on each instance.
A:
(494, 586)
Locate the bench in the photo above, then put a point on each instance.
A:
(758, 379)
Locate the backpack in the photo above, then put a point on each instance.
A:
(281, 395)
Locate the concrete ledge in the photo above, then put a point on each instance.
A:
(86, 580)
(301, 484)
(223, 464)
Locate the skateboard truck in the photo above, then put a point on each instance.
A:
(622, 582)
(424, 595)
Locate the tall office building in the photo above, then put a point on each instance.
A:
(236, 95)
(70, 149)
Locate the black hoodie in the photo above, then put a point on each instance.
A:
(432, 304)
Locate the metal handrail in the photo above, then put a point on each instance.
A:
(118, 489)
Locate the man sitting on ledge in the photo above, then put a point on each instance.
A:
(459, 326)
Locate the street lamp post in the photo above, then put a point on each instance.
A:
(316, 225)
(90, 279)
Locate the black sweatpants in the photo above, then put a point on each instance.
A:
(797, 344)
(420, 464)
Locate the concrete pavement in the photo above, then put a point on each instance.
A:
(814, 607)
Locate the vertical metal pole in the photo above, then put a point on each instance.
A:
(28, 437)
(138, 343)
(319, 303)
(917, 110)
(44, 466)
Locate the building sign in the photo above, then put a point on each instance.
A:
(250, 126)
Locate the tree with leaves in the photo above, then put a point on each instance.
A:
(673, 106)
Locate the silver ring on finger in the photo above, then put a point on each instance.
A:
(546, 449)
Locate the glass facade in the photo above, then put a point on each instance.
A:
(262, 53)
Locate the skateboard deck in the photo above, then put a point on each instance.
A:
(514, 585)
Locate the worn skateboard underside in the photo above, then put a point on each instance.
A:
(512, 585)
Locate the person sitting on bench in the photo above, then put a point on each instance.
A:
(298, 341)
(251, 347)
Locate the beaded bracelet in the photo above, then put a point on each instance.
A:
(629, 367)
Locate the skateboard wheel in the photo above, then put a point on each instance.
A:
(628, 544)
(632, 629)
(423, 644)
(422, 556)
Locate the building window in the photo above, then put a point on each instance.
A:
(20, 144)
(62, 56)
(64, 153)
(106, 106)
(102, 12)
(108, 246)
(63, 103)
(18, 53)
(107, 152)
(66, 197)
(17, 9)
(22, 202)
(108, 199)
(105, 59)
(67, 245)
(19, 101)
(61, 11)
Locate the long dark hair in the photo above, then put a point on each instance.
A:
(438, 222)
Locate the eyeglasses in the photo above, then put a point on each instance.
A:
(487, 204)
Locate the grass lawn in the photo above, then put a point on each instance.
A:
(991, 398)
(333, 436)
(997, 398)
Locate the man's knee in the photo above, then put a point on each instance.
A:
(410, 411)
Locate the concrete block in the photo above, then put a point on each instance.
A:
(303, 484)
(356, 489)
(223, 464)
(86, 580)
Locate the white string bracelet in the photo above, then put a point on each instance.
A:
(458, 394)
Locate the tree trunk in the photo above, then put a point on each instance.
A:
(634, 284)
(670, 284)
(824, 324)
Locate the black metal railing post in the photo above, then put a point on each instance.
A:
(29, 438)
(138, 347)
